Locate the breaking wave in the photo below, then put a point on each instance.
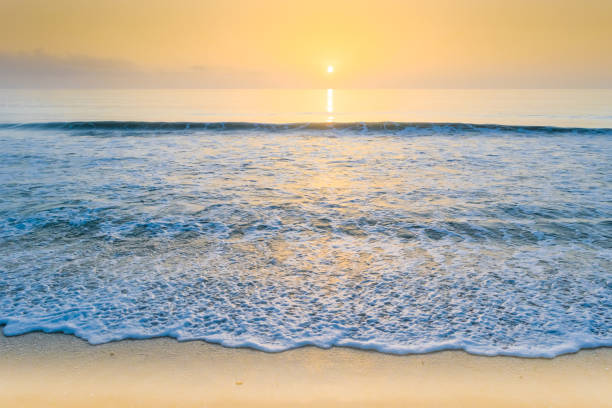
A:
(391, 127)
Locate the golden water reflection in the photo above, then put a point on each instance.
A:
(330, 104)
(553, 107)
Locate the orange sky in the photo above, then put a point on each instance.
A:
(284, 43)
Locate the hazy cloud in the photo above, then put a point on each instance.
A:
(43, 70)
(39, 69)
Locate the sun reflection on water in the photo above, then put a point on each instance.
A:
(330, 104)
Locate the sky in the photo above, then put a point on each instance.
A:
(290, 43)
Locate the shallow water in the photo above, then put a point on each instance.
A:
(395, 237)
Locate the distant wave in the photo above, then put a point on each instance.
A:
(393, 127)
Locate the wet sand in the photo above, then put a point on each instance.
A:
(57, 370)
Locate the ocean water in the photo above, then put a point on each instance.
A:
(485, 227)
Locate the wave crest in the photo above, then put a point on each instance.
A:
(392, 127)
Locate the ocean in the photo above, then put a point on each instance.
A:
(403, 221)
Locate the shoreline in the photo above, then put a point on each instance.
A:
(54, 369)
(350, 345)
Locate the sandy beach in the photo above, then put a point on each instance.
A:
(57, 370)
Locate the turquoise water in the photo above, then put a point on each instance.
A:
(395, 236)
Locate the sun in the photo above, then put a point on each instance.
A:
(330, 69)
